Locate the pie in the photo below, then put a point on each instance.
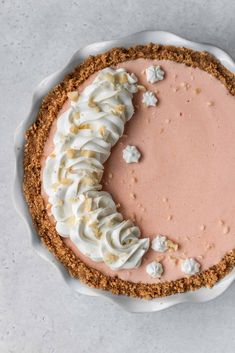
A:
(129, 171)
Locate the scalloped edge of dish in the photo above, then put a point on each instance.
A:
(127, 303)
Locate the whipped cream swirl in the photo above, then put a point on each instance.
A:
(190, 266)
(154, 269)
(149, 99)
(85, 134)
(131, 154)
(160, 243)
(154, 74)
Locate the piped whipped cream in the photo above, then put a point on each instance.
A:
(131, 154)
(85, 134)
(149, 99)
(154, 269)
(154, 74)
(190, 266)
(160, 243)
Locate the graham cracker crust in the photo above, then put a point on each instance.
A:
(36, 137)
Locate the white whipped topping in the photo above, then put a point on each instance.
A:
(71, 178)
(190, 266)
(154, 269)
(160, 243)
(149, 99)
(131, 154)
(154, 74)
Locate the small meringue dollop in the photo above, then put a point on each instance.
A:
(160, 243)
(154, 269)
(149, 99)
(154, 74)
(190, 266)
(131, 154)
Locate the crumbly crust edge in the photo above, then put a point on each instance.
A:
(36, 137)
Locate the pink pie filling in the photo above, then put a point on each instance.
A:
(184, 184)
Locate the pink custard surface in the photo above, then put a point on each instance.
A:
(184, 183)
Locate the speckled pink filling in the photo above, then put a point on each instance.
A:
(184, 183)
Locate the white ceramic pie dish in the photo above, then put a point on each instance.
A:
(130, 304)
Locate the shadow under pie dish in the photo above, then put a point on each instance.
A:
(168, 113)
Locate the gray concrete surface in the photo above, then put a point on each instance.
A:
(38, 312)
